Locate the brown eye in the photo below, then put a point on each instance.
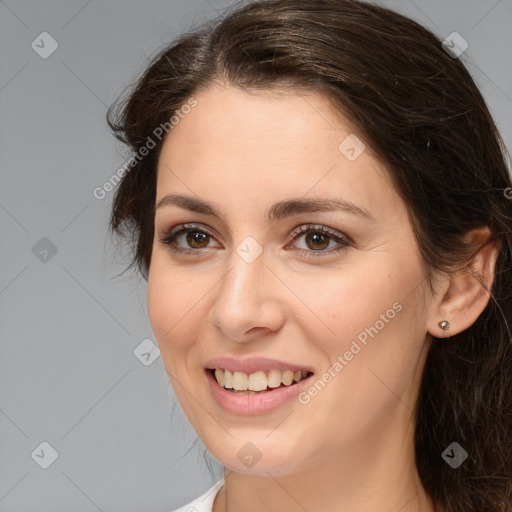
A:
(196, 239)
(188, 239)
(317, 241)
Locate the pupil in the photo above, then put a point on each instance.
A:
(195, 238)
(316, 239)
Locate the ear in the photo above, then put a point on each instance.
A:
(464, 295)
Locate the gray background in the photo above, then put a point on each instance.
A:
(69, 326)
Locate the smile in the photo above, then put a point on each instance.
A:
(256, 385)
(257, 382)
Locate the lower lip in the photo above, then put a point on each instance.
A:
(240, 403)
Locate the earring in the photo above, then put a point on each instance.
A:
(444, 325)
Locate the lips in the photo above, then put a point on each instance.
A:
(254, 364)
(255, 385)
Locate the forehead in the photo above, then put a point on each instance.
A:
(250, 120)
(293, 143)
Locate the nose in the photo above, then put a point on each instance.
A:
(246, 304)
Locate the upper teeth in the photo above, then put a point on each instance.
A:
(258, 381)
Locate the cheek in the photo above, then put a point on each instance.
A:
(171, 298)
(371, 320)
(162, 299)
(340, 305)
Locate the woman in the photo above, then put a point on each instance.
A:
(320, 202)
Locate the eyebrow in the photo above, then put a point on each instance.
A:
(277, 211)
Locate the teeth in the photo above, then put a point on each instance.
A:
(240, 381)
(258, 381)
(228, 379)
(274, 378)
(219, 375)
(287, 377)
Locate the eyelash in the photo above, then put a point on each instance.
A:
(170, 236)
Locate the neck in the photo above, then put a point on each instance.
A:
(376, 473)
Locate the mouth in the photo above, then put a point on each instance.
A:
(255, 385)
(259, 382)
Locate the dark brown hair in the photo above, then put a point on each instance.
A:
(421, 113)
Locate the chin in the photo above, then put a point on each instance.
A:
(258, 456)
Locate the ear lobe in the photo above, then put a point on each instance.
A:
(468, 289)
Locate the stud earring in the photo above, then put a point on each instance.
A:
(444, 325)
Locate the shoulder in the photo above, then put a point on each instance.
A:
(204, 502)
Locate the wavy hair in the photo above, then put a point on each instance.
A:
(420, 111)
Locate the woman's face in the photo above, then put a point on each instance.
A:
(299, 260)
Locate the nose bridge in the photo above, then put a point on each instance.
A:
(245, 296)
(239, 292)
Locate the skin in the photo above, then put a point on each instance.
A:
(351, 447)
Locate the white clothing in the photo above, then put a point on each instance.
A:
(203, 503)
